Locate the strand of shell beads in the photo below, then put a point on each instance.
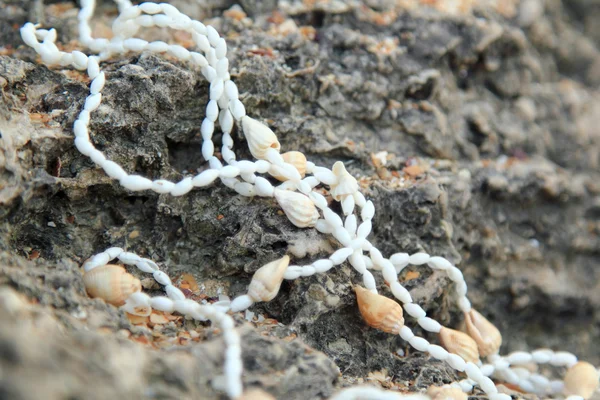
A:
(459, 350)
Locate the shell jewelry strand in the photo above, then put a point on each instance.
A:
(304, 207)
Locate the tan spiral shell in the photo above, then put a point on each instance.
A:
(111, 283)
(295, 158)
(446, 392)
(485, 334)
(459, 343)
(299, 208)
(581, 380)
(267, 280)
(259, 137)
(346, 184)
(379, 311)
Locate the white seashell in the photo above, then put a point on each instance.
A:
(111, 283)
(260, 138)
(459, 343)
(267, 280)
(581, 380)
(378, 311)
(346, 184)
(446, 392)
(299, 208)
(294, 158)
(485, 334)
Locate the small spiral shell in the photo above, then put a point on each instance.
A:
(446, 392)
(459, 343)
(379, 311)
(266, 281)
(295, 158)
(346, 184)
(485, 334)
(260, 138)
(111, 283)
(581, 380)
(299, 208)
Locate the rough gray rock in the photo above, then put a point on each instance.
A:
(490, 118)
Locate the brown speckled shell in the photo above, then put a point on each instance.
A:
(378, 311)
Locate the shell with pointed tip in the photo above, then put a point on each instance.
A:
(459, 343)
(111, 283)
(346, 184)
(485, 334)
(267, 280)
(581, 380)
(379, 311)
(446, 392)
(295, 158)
(260, 138)
(299, 208)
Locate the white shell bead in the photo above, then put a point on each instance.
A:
(162, 303)
(182, 187)
(161, 278)
(241, 303)
(437, 352)
(158, 46)
(98, 83)
(456, 362)
(419, 343)
(400, 292)
(414, 310)
(145, 266)
(150, 8)
(339, 256)
(162, 186)
(368, 211)
(263, 187)
(323, 265)
(406, 333)
(135, 183)
(418, 258)
(205, 178)
(429, 324)
(84, 146)
(174, 292)
(519, 357)
(93, 101)
(324, 175)
(135, 44)
(542, 356)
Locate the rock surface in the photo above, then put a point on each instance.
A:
(489, 117)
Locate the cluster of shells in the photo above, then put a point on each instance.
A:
(482, 338)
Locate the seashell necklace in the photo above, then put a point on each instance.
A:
(303, 206)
